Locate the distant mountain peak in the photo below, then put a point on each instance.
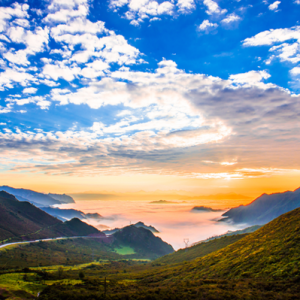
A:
(264, 208)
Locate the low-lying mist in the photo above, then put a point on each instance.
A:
(174, 221)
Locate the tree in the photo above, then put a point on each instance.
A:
(60, 272)
(81, 275)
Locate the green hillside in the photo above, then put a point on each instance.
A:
(272, 251)
(143, 241)
(56, 252)
(21, 218)
(199, 250)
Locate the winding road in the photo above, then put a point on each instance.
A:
(53, 239)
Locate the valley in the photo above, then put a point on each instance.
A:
(259, 262)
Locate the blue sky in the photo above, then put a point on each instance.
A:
(199, 89)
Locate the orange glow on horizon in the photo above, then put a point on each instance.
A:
(155, 186)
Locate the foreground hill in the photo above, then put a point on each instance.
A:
(22, 220)
(273, 251)
(265, 208)
(143, 241)
(199, 250)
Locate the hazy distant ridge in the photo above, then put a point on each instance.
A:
(265, 208)
(38, 199)
(62, 198)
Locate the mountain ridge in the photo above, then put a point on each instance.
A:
(264, 208)
(36, 198)
(20, 220)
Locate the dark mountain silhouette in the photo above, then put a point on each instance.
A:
(264, 209)
(162, 202)
(79, 228)
(143, 241)
(205, 209)
(138, 224)
(23, 221)
(151, 228)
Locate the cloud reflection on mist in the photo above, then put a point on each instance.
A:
(174, 221)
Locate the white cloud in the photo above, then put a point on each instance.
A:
(95, 69)
(272, 36)
(77, 26)
(38, 100)
(59, 70)
(22, 22)
(15, 75)
(213, 8)
(287, 52)
(16, 10)
(155, 19)
(274, 6)
(295, 71)
(112, 48)
(251, 77)
(206, 25)
(5, 110)
(139, 10)
(49, 82)
(17, 57)
(284, 51)
(35, 41)
(64, 15)
(231, 18)
(4, 38)
(186, 6)
(118, 3)
(30, 90)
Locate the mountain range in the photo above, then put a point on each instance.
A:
(67, 214)
(38, 199)
(21, 220)
(264, 209)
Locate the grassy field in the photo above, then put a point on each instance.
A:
(124, 250)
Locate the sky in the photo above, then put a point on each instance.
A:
(130, 95)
